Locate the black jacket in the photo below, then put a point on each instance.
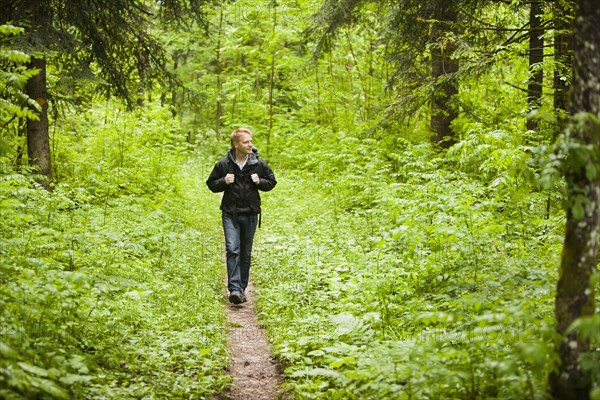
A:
(241, 197)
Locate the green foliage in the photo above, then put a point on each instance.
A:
(571, 156)
(112, 43)
(13, 76)
(111, 285)
(227, 77)
(417, 276)
(385, 268)
(404, 273)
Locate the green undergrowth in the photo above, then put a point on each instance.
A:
(112, 283)
(418, 276)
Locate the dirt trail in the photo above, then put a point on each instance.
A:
(254, 371)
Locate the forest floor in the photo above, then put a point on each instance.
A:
(254, 371)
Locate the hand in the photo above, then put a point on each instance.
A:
(255, 178)
(229, 178)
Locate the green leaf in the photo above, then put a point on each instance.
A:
(52, 388)
(578, 211)
(8, 352)
(71, 379)
(32, 369)
(340, 362)
(591, 171)
(323, 372)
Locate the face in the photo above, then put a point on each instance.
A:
(244, 144)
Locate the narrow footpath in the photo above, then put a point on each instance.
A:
(254, 371)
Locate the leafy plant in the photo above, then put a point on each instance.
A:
(110, 289)
(436, 284)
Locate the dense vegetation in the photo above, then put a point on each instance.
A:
(437, 290)
(110, 284)
(394, 261)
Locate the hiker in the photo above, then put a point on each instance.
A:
(240, 174)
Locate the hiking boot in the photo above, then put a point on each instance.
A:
(236, 297)
(244, 299)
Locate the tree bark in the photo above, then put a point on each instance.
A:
(536, 57)
(38, 139)
(272, 79)
(443, 67)
(575, 297)
(563, 59)
(220, 95)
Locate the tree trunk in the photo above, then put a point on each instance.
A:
(443, 67)
(220, 95)
(272, 78)
(38, 139)
(575, 297)
(536, 57)
(563, 60)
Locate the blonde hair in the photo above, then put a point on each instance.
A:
(235, 135)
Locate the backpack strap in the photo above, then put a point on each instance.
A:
(231, 170)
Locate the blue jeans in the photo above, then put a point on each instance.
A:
(239, 234)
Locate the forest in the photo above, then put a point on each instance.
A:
(433, 233)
